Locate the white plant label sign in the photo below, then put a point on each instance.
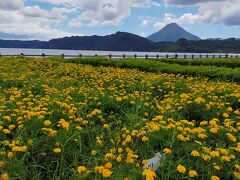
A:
(154, 162)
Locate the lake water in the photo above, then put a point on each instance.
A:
(18, 51)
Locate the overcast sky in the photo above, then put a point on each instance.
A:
(46, 19)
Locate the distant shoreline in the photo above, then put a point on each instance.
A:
(112, 54)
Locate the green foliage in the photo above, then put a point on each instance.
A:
(66, 115)
(223, 62)
(202, 68)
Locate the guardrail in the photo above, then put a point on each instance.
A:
(176, 56)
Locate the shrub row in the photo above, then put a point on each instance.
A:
(231, 63)
(217, 73)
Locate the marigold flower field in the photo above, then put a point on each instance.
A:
(70, 121)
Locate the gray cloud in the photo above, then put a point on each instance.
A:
(9, 36)
(11, 4)
(188, 2)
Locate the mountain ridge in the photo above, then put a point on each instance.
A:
(172, 33)
(124, 41)
(120, 41)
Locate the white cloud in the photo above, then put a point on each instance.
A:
(211, 11)
(31, 27)
(31, 22)
(91, 4)
(145, 3)
(56, 14)
(106, 14)
(168, 18)
(144, 23)
(35, 22)
(101, 12)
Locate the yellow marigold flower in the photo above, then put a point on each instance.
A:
(225, 115)
(106, 173)
(30, 142)
(167, 150)
(236, 175)
(20, 148)
(232, 156)
(203, 123)
(47, 123)
(145, 138)
(50, 131)
(99, 169)
(78, 127)
(198, 142)
(224, 151)
(214, 130)
(2, 164)
(217, 167)
(202, 136)
(10, 155)
(119, 159)
(127, 131)
(195, 153)
(57, 150)
(206, 157)
(85, 122)
(158, 118)
(57, 143)
(108, 165)
(137, 165)
(96, 111)
(64, 124)
(110, 156)
(215, 178)
(181, 137)
(199, 100)
(213, 122)
(81, 169)
(128, 138)
(7, 118)
(150, 174)
(106, 126)
(181, 168)
(12, 126)
(214, 154)
(41, 116)
(119, 99)
(93, 152)
(231, 137)
(144, 162)
(120, 150)
(4, 176)
(6, 131)
(20, 126)
(225, 158)
(192, 173)
(237, 166)
(206, 149)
